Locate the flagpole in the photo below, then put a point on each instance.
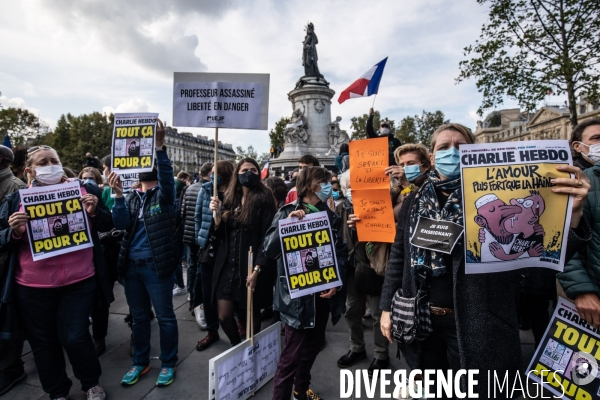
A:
(374, 98)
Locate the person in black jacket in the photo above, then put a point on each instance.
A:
(240, 224)
(473, 316)
(385, 130)
(188, 208)
(306, 317)
(147, 261)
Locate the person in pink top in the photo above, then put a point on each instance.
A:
(54, 296)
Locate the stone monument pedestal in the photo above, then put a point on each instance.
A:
(313, 102)
(310, 130)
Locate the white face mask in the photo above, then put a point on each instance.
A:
(594, 153)
(385, 131)
(49, 175)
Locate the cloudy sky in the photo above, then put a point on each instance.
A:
(75, 56)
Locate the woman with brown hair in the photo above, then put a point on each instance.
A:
(241, 222)
(306, 317)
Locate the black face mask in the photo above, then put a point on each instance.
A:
(148, 176)
(248, 179)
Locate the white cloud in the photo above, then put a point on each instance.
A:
(85, 56)
(132, 105)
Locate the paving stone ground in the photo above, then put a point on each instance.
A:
(191, 381)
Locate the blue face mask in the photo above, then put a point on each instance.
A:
(447, 163)
(412, 172)
(89, 181)
(325, 191)
(335, 195)
(212, 180)
(349, 195)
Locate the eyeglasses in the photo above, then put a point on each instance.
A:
(40, 147)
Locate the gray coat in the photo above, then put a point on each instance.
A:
(486, 318)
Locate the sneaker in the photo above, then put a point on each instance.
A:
(7, 384)
(308, 395)
(96, 393)
(179, 291)
(132, 376)
(189, 298)
(208, 340)
(200, 317)
(100, 346)
(166, 377)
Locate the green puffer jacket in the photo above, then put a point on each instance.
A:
(582, 273)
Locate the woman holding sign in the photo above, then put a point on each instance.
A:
(471, 319)
(54, 296)
(240, 224)
(306, 317)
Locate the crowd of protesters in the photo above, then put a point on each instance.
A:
(140, 239)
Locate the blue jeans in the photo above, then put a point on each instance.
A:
(144, 290)
(55, 319)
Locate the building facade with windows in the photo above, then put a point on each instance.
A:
(549, 122)
(189, 152)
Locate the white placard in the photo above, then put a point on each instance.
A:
(243, 369)
(210, 100)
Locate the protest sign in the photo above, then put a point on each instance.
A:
(245, 368)
(133, 142)
(567, 357)
(217, 100)
(436, 235)
(127, 180)
(512, 218)
(371, 190)
(57, 221)
(308, 253)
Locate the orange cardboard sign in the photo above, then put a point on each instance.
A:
(371, 190)
(368, 160)
(374, 208)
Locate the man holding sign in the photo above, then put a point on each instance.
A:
(56, 276)
(305, 316)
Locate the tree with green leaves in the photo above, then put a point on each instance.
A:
(532, 48)
(418, 129)
(21, 125)
(276, 134)
(359, 125)
(74, 136)
(250, 152)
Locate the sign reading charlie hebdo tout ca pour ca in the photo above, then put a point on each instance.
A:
(57, 221)
(308, 253)
(512, 217)
(133, 142)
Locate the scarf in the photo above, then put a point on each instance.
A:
(426, 205)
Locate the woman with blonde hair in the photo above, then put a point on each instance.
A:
(54, 296)
(472, 317)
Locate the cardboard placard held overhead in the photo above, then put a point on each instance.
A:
(220, 100)
(371, 190)
(133, 142)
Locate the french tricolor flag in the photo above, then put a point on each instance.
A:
(264, 174)
(366, 85)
